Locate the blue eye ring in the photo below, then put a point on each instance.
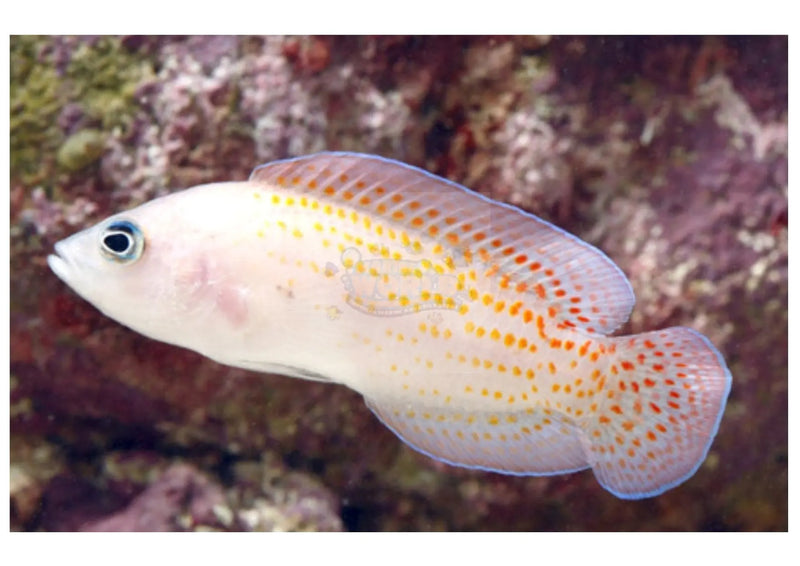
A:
(122, 241)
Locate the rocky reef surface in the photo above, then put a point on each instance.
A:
(670, 154)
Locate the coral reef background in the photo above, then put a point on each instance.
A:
(670, 154)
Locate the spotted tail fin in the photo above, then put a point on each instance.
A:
(663, 400)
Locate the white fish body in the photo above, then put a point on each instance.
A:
(475, 331)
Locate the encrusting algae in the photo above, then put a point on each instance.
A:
(475, 331)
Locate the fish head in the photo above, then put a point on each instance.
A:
(151, 268)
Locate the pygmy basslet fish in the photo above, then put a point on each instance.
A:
(478, 333)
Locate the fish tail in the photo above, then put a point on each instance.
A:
(663, 399)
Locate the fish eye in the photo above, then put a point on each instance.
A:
(122, 241)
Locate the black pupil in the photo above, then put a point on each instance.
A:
(117, 243)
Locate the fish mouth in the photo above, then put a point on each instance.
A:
(59, 264)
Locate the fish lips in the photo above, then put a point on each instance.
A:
(61, 264)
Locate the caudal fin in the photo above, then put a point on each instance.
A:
(663, 400)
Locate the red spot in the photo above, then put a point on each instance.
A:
(673, 405)
(658, 367)
(540, 290)
(656, 409)
(479, 236)
(648, 382)
(521, 258)
(548, 272)
(522, 287)
(583, 319)
(535, 266)
(649, 344)
(508, 251)
(660, 427)
(560, 292)
(651, 436)
(626, 365)
(552, 312)
(635, 386)
(674, 394)
(616, 409)
(497, 243)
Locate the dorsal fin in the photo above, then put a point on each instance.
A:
(573, 280)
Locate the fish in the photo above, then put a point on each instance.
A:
(480, 334)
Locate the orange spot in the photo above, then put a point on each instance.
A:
(649, 344)
(651, 436)
(616, 409)
(527, 316)
(540, 290)
(604, 419)
(555, 343)
(569, 344)
(479, 236)
(452, 238)
(398, 215)
(552, 312)
(329, 190)
(628, 426)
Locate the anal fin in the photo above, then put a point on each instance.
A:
(527, 442)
